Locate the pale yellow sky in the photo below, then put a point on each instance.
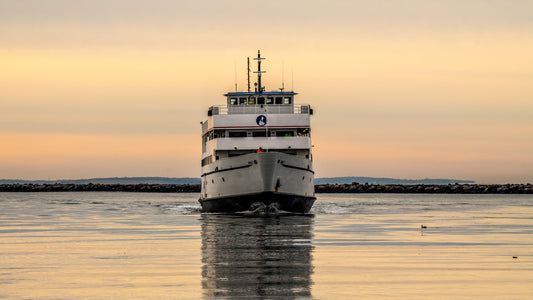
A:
(404, 89)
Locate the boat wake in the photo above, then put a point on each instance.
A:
(187, 209)
(261, 209)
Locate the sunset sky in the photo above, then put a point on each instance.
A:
(403, 89)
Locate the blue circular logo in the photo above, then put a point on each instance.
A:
(261, 120)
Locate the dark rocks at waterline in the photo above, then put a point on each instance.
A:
(140, 188)
(323, 188)
(426, 188)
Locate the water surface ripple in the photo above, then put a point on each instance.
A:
(145, 245)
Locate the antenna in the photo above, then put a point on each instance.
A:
(259, 72)
(248, 74)
(235, 68)
(292, 79)
(282, 76)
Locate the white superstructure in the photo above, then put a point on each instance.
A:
(257, 148)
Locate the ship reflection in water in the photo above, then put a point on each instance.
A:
(257, 256)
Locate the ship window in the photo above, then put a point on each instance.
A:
(287, 100)
(279, 100)
(242, 101)
(237, 134)
(207, 160)
(284, 133)
(270, 100)
(208, 136)
(204, 141)
(220, 133)
(252, 100)
(302, 131)
(261, 100)
(259, 133)
(233, 101)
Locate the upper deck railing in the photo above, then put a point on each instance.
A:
(260, 109)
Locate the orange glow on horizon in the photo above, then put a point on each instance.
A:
(84, 156)
(421, 104)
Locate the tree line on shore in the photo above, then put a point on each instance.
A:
(321, 188)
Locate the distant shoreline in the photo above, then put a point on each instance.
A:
(319, 188)
(196, 180)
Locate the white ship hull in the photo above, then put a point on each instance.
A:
(234, 183)
(237, 173)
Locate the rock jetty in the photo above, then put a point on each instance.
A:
(426, 188)
(322, 188)
(90, 187)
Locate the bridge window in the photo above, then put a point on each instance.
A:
(287, 100)
(252, 100)
(233, 101)
(279, 100)
(270, 100)
(237, 134)
(242, 101)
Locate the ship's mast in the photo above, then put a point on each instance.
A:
(248, 74)
(259, 58)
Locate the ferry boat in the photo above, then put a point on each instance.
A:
(257, 152)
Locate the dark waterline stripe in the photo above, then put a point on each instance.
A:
(298, 168)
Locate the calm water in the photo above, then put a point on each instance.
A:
(133, 245)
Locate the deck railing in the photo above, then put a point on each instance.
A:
(257, 109)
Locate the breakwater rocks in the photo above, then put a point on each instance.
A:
(426, 188)
(322, 188)
(140, 188)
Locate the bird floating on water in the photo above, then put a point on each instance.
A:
(423, 226)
